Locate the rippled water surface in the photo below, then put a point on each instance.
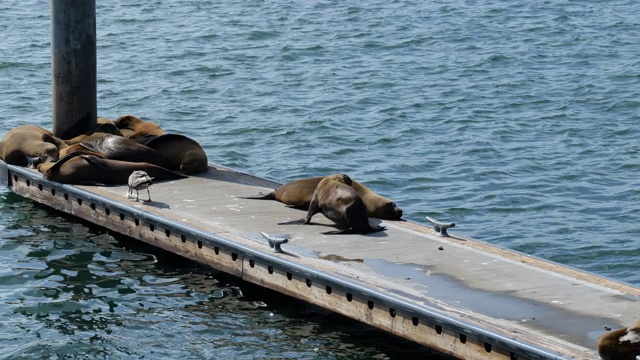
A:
(518, 121)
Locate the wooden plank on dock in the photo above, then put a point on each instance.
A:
(457, 295)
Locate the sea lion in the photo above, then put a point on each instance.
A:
(120, 148)
(103, 125)
(338, 201)
(78, 168)
(298, 194)
(30, 145)
(135, 127)
(182, 152)
(621, 344)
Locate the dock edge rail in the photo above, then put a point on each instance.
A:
(432, 328)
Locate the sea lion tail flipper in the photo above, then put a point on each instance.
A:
(59, 143)
(299, 206)
(293, 222)
(260, 196)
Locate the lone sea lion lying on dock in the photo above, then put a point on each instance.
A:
(621, 344)
(298, 194)
(30, 145)
(339, 202)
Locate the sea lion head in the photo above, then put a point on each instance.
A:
(107, 126)
(127, 121)
(192, 163)
(343, 178)
(47, 153)
(139, 127)
(391, 211)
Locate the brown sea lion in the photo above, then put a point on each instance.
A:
(183, 153)
(298, 193)
(621, 344)
(78, 168)
(103, 125)
(29, 145)
(135, 127)
(120, 148)
(338, 201)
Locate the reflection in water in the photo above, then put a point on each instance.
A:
(73, 290)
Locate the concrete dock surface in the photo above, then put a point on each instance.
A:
(460, 296)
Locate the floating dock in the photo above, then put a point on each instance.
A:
(456, 295)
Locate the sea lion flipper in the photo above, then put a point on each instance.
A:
(340, 232)
(260, 196)
(299, 206)
(293, 222)
(88, 147)
(376, 229)
(59, 143)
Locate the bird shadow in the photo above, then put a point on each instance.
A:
(156, 204)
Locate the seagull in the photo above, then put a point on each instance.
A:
(137, 181)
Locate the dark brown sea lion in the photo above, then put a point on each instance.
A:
(298, 193)
(183, 153)
(29, 145)
(338, 201)
(135, 127)
(120, 148)
(78, 168)
(621, 344)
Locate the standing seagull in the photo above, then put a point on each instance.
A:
(137, 181)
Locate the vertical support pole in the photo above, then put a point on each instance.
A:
(73, 67)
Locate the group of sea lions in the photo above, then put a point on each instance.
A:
(342, 200)
(109, 155)
(117, 150)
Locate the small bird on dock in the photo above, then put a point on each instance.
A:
(139, 180)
